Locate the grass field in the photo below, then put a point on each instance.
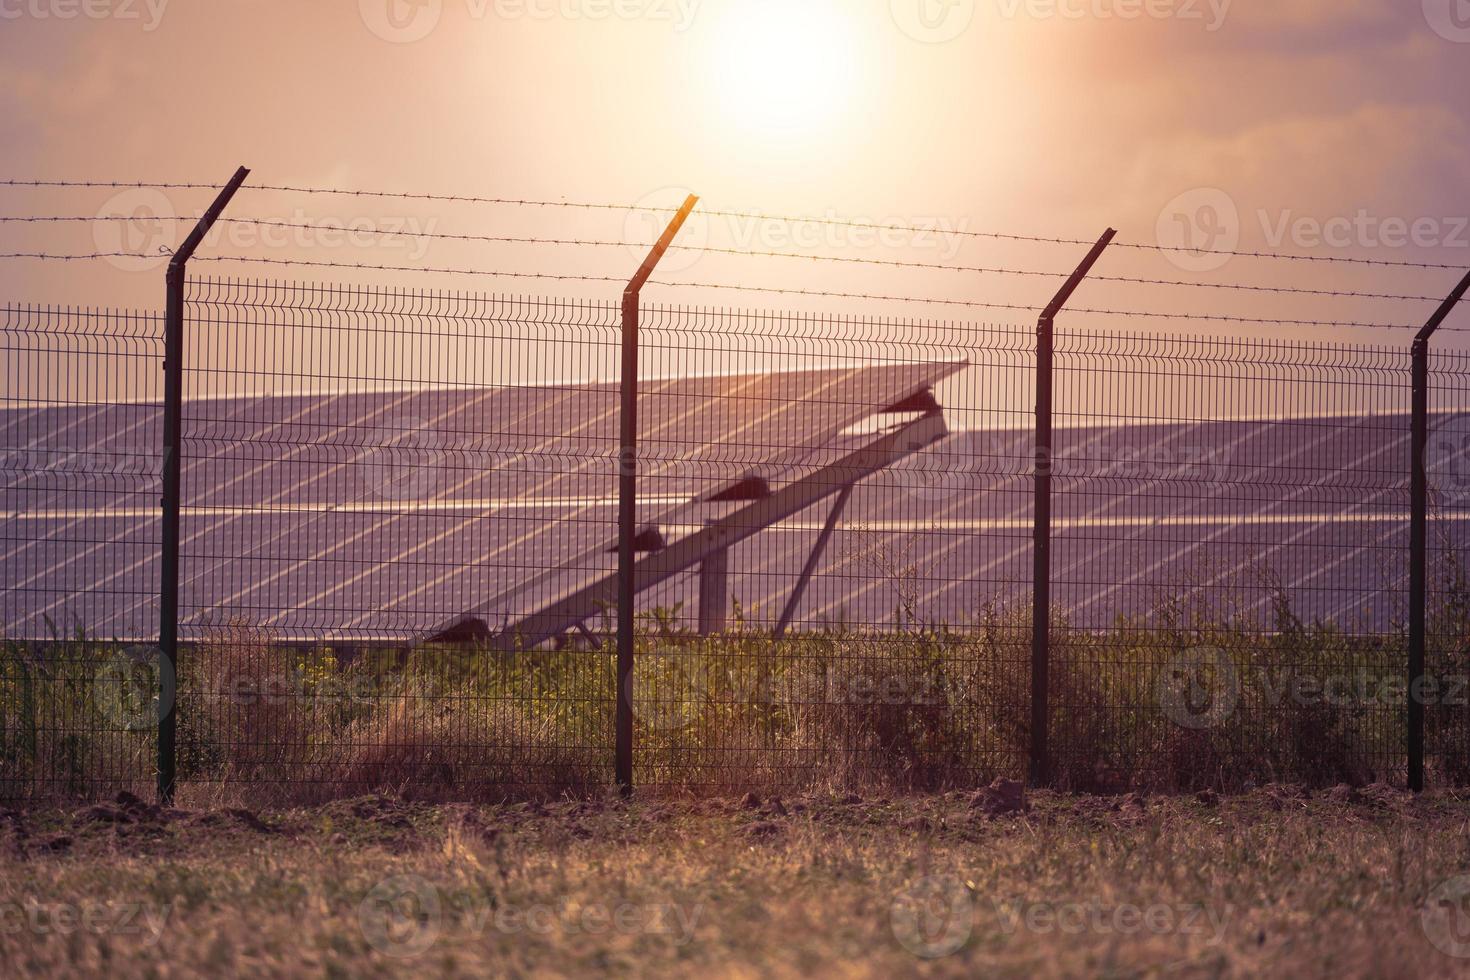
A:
(1277, 881)
(919, 710)
(1199, 694)
(313, 838)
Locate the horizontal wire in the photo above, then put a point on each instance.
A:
(1291, 257)
(799, 256)
(56, 257)
(323, 263)
(1070, 309)
(807, 292)
(755, 215)
(127, 184)
(564, 277)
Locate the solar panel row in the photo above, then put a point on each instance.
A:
(1336, 566)
(440, 529)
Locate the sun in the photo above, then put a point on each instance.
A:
(784, 67)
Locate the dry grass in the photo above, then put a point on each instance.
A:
(918, 709)
(1266, 884)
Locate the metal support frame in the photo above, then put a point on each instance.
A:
(628, 494)
(172, 504)
(714, 592)
(1041, 535)
(722, 534)
(811, 562)
(491, 623)
(1419, 536)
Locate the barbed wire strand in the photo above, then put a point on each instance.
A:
(805, 292)
(750, 215)
(565, 277)
(761, 253)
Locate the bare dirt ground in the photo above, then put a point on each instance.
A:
(1368, 882)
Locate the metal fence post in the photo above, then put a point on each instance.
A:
(1419, 536)
(172, 504)
(628, 496)
(1041, 532)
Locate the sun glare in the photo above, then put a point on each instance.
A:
(785, 67)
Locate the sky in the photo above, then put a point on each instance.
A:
(1331, 129)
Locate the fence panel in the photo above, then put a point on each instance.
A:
(1231, 561)
(81, 414)
(902, 659)
(1447, 647)
(362, 467)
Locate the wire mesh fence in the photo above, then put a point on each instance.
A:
(399, 551)
(79, 480)
(1446, 693)
(1232, 560)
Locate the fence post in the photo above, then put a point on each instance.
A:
(1419, 536)
(628, 496)
(1041, 532)
(173, 419)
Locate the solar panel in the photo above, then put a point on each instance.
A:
(265, 560)
(369, 512)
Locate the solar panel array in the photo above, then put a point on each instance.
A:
(1144, 500)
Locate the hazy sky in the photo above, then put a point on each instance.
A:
(1306, 126)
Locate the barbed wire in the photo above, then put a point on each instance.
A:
(748, 215)
(763, 253)
(372, 267)
(1289, 256)
(809, 292)
(124, 184)
(835, 294)
(1012, 306)
(81, 256)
